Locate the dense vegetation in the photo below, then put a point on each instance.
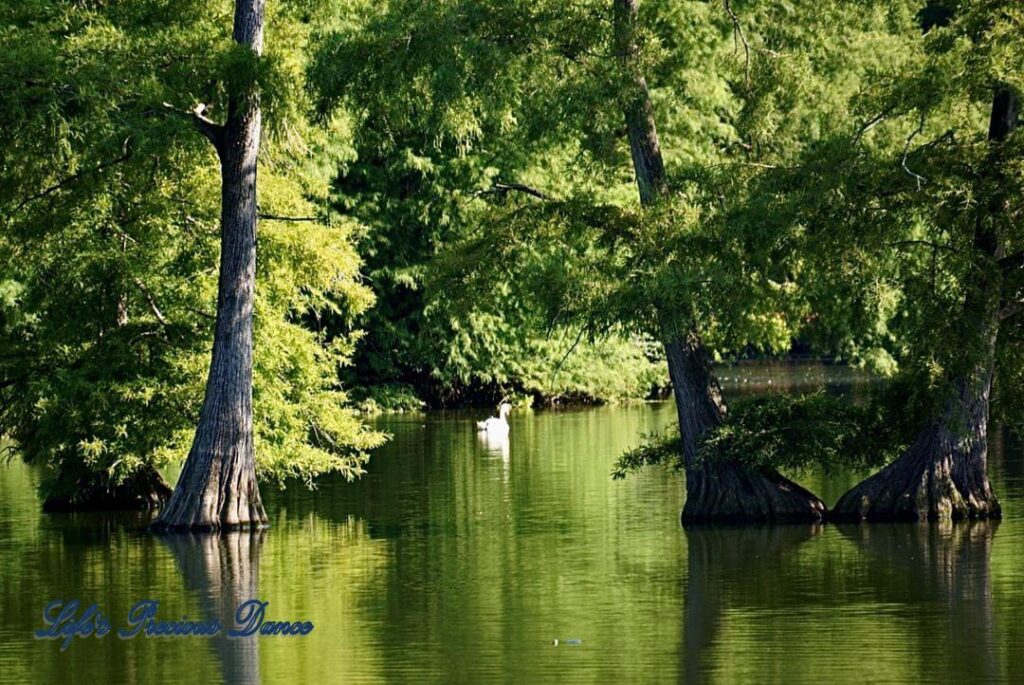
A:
(109, 247)
(466, 201)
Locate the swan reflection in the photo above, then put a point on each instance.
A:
(496, 445)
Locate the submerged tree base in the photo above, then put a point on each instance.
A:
(256, 521)
(237, 510)
(933, 480)
(144, 490)
(728, 492)
(215, 492)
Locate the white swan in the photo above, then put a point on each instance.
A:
(496, 425)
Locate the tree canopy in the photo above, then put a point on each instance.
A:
(109, 206)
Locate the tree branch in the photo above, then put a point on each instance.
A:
(505, 188)
(125, 155)
(276, 217)
(737, 33)
(926, 243)
(209, 128)
(205, 315)
(1011, 309)
(152, 302)
(921, 180)
(1011, 262)
(871, 123)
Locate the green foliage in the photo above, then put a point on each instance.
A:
(658, 449)
(818, 430)
(389, 398)
(109, 243)
(795, 433)
(892, 206)
(481, 95)
(436, 125)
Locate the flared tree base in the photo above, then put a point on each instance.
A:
(191, 518)
(727, 492)
(214, 493)
(145, 490)
(933, 480)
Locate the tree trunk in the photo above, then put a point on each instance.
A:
(718, 490)
(944, 473)
(638, 110)
(217, 488)
(715, 491)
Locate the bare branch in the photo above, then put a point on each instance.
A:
(921, 180)
(505, 188)
(1011, 309)
(949, 135)
(926, 243)
(572, 348)
(871, 123)
(151, 301)
(209, 128)
(737, 34)
(205, 315)
(275, 217)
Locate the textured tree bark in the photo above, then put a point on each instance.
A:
(944, 473)
(725, 491)
(217, 487)
(644, 146)
(715, 491)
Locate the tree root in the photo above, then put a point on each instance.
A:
(727, 492)
(940, 477)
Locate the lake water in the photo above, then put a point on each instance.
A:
(458, 561)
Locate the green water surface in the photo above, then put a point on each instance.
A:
(460, 561)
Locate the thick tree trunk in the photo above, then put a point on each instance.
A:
(944, 473)
(644, 146)
(724, 491)
(715, 491)
(217, 488)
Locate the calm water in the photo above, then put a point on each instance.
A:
(460, 561)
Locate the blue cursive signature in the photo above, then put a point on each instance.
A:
(64, 621)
